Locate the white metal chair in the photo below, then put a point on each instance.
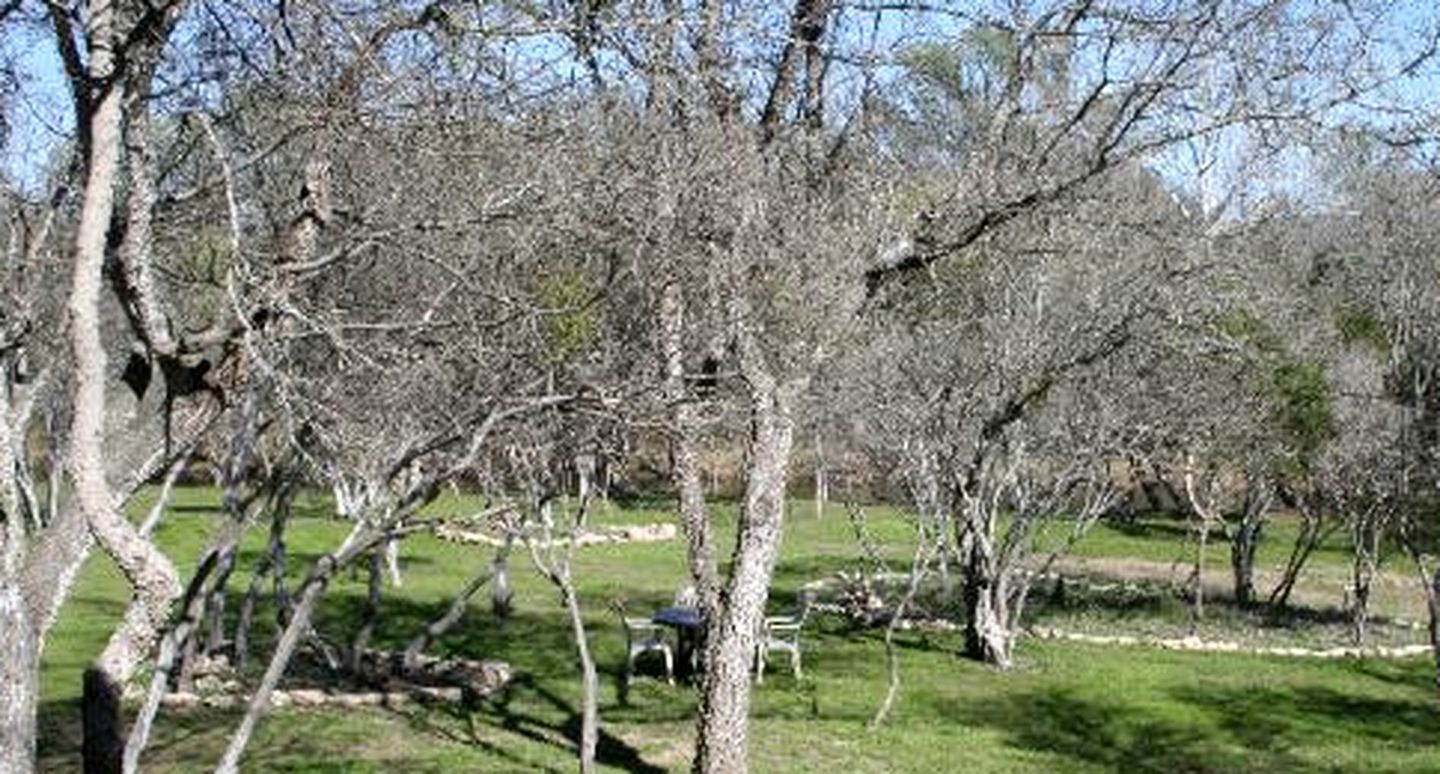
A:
(782, 633)
(644, 636)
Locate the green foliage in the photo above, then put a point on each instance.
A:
(977, 68)
(1358, 327)
(571, 318)
(1296, 392)
(937, 66)
(1244, 326)
(200, 261)
(1301, 406)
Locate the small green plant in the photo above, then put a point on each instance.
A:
(572, 320)
(1358, 327)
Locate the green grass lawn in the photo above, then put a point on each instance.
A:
(1066, 707)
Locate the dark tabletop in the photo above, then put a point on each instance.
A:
(679, 617)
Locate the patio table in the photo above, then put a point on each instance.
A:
(686, 622)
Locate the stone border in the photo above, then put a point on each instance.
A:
(1195, 644)
(1189, 644)
(311, 697)
(468, 681)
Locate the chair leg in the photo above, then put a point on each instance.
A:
(795, 662)
(669, 665)
(760, 665)
(625, 681)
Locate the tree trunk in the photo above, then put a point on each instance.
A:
(684, 449)
(502, 597)
(368, 616)
(1197, 576)
(987, 635)
(919, 566)
(822, 484)
(103, 744)
(19, 640)
(1242, 565)
(435, 629)
(1309, 538)
(1246, 539)
(1366, 531)
(171, 646)
(1432, 606)
(1430, 581)
(589, 681)
(721, 741)
(148, 572)
(272, 562)
(19, 680)
(240, 643)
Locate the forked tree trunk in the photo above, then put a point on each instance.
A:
(1311, 535)
(1366, 532)
(1245, 540)
(985, 595)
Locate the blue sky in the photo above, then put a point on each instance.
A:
(41, 113)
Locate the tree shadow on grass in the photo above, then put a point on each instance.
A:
(1167, 528)
(1286, 718)
(61, 735)
(1414, 674)
(459, 725)
(533, 643)
(1214, 729)
(1108, 733)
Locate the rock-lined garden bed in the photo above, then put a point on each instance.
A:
(867, 600)
(634, 533)
(379, 680)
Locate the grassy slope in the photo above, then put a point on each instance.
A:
(1066, 707)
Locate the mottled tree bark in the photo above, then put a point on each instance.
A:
(685, 453)
(19, 680)
(1245, 541)
(149, 575)
(722, 739)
